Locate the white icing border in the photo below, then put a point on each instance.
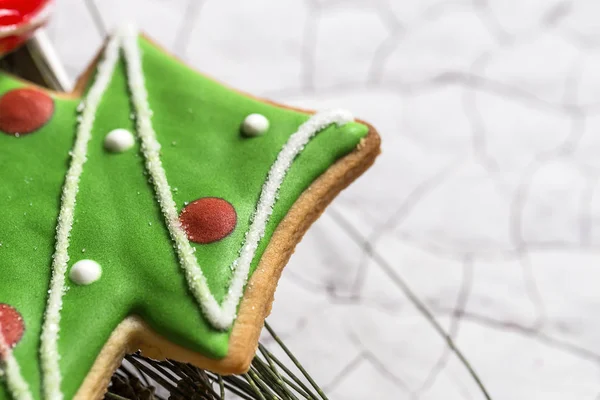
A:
(220, 316)
(49, 354)
(17, 386)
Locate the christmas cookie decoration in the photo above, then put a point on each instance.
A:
(119, 140)
(255, 125)
(24, 111)
(11, 332)
(19, 19)
(194, 234)
(208, 219)
(12, 327)
(85, 272)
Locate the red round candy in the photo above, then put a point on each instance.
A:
(11, 325)
(208, 219)
(18, 20)
(16, 12)
(24, 111)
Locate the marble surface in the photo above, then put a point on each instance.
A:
(485, 201)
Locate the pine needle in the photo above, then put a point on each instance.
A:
(269, 378)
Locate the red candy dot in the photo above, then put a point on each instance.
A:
(16, 12)
(208, 219)
(24, 111)
(19, 19)
(11, 325)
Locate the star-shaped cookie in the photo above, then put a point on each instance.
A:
(152, 209)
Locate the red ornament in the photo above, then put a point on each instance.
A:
(24, 111)
(11, 326)
(208, 219)
(19, 19)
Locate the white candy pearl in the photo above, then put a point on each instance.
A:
(85, 272)
(119, 140)
(255, 125)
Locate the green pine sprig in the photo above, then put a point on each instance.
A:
(269, 378)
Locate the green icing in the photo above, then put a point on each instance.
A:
(118, 222)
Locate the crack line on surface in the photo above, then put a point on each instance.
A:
(487, 17)
(186, 27)
(587, 204)
(548, 340)
(336, 299)
(466, 79)
(308, 48)
(410, 202)
(96, 17)
(533, 291)
(557, 13)
(383, 51)
(376, 363)
(389, 270)
(457, 254)
(343, 374)
(478, 129)
(459, 309)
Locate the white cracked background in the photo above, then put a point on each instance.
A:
(485, 201)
